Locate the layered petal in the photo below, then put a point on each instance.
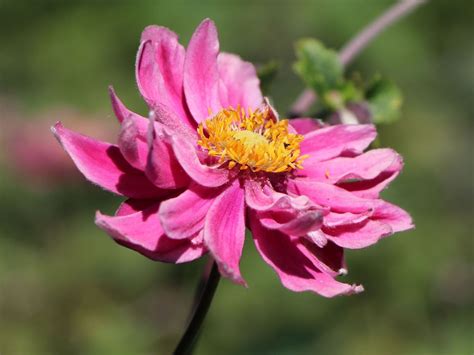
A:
(137, 226)
(398, 219)
(305, 125)
(291, 224)
(317, 237)
(162, 167)
(329, 258)
(172, 122)
(224, 231)
(239, 84)
(296, 271)
(201, 75)
(334, 197)
(366, 166)
(132, 206)
(293, 215)
(132, 143)
(334, 219)
(159, 71)
(372, 188)
(186, 154)
(133, 134)
(104, 165)
(260, 196)
(357, 236)
(122, 112)
(183, 216)
(334, 141)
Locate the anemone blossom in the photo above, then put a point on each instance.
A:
(213, 158)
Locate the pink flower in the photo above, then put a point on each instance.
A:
(36, 159)
(214, 159)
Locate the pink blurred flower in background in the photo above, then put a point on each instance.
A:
(33, 157)
(215, 159)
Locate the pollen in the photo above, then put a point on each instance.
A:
(252, 140)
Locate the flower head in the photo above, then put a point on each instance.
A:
(214, 159)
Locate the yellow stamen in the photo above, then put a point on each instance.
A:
(253, 140)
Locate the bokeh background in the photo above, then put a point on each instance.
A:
(66, 288)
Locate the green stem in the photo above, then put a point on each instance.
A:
(186, 344)
(356, 45)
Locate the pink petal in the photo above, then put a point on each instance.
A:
(122, 112)
(159, 71)
(372, 188)
(162, 168)
(141, 231)
(132, 143)
(172, 122)
(210, 176)
(291, 224)
(336, 198)
(240, 84)
(157, 34)
(293, 215)
(104, 165)
(332, 141)
(132, 206)
(358, 236)
(224, 231)
(132, 139)
(183, 216)
(201, 76)
(334, 219)
(261, 197)
(366, 166)
(295, 270)
(398, 219)
(317, 237)
(305, 125)
(329, 259)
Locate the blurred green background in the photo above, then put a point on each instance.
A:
(66, 288)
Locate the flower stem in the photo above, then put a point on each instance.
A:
(364, 37)
(357, 44)
(186, 344)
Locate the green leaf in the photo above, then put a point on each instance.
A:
(385, 100)
(267, 73)
(351, 92)
(318, 66)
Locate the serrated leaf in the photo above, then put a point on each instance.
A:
(267, 73)
(318, 66)
(385, 100)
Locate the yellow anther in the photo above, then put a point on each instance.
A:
(251, 139)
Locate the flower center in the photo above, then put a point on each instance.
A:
(252, 140)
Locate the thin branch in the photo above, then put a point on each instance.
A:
(358, 43)
(186, 344)
(202, 285)
(364, 37)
